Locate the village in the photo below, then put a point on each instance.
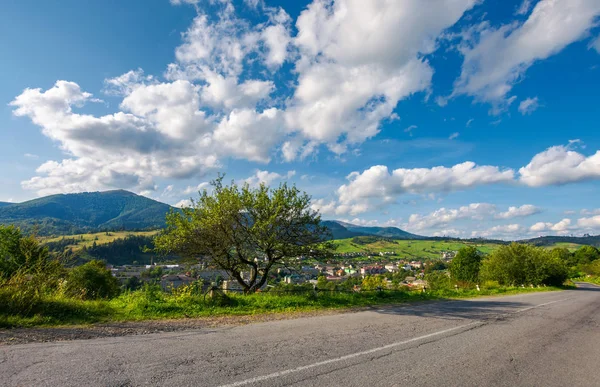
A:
(343, 267)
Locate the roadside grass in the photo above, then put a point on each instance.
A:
(152, 304)
(591, 279)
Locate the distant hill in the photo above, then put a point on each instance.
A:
(85, 212)
(553, 240)
(4, 204)
(343, 230)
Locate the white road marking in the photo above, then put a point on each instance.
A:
(367, 352)
(346, 357)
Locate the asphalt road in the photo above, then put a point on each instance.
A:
(540, 339)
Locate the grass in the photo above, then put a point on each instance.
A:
(100, 238)
(410, 249)
(151, 304)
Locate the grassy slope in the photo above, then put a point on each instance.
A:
(89, 239)
(410, 248)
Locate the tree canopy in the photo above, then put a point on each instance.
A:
(245, 230)
(466, 264)
(520, 264)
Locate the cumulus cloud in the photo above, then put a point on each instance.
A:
(590, 223)
(495, 58)
(194, 189)
(380, 184)
(351, 75)
(560, 165)
(115, 150)
(519, 212)
(529, 105)
(562, 227)
(267, 178)
(508, 231)
(445, 216)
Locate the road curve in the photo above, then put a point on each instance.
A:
(536, 339)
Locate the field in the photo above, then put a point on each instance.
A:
(410, 249)
(100, 238)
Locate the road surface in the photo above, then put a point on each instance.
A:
(536, 339)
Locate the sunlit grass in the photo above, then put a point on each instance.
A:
(151, 303)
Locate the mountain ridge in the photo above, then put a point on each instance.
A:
(86, 212)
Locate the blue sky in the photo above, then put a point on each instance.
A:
(464, 117)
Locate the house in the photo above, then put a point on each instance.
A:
(293, 279)
(370, 270)
(231, 287)
(391, 267)
(173, 281)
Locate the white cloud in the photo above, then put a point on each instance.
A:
(529, 105)
(469, 122)
(183, 203)
(449, 232)
(444, 216)
(125, 83)
(267, 178)
(560, 165)
(562, 227)
(519, 212)
(524, 7)
(277, 39)
(380, 184)
(410, 129)
(454, 136)
(509, 231)
(587, 212)
(250, 135)
(31, 156)
(200, 187)
(496, 58)
(591, 223)
(351, 74)
(595, 44)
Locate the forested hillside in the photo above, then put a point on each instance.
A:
(85, 212)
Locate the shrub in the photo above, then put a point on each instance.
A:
(91, 281)
(517, 264)
(439, 280)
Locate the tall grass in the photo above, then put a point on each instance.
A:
(151, 303)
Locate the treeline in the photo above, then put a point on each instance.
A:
(516, 264)
(133, 249)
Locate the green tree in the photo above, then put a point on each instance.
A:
(91, 281)
(586, 255)
(466, 264)
(23, 255)
(518, 264)
(439, 280)
(245, 231)
(373, 282)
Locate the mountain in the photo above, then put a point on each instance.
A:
(343, 230)
(4, 204)
(85, 212)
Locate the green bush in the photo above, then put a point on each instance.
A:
(520, 264)
(91, 281)
(439, 280)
